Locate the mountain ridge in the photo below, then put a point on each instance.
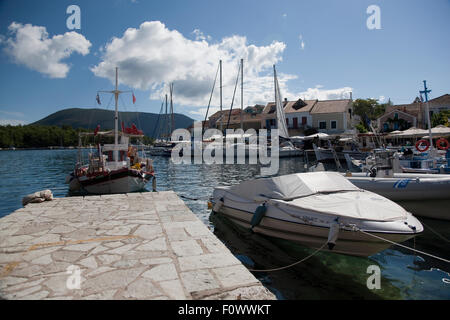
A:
(90, 118)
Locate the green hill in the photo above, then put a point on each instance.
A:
(90, 118)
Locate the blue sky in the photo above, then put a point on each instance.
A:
(339, 52)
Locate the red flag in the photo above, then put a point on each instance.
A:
(134, 98)
(96, 130)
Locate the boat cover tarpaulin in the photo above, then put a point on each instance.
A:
(324, 192)
(293, 186)
(359, 205)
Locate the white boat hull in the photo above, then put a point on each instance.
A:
(424, 195)
(307, 207)
(349, 242)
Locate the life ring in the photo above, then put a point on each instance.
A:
(442, 140)
(420, 142)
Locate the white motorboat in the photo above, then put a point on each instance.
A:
(289, 150)
(315, 208)
(426, 195)
(163, 149)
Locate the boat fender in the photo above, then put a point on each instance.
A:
(333, 234)
(218, 205)
(154, 184)
(373, 172)
(258, 215)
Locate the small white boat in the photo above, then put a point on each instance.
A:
(161, 149)
(289, 150)
(315, 208)
(426, 195)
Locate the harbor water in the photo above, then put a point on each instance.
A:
(404, 275)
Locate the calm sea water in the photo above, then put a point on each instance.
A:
(324, 276)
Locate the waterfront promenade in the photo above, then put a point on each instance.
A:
(125, 246)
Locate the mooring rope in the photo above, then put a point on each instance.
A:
(435, 232)
(291, 265)
(356, 229)
(400, 245)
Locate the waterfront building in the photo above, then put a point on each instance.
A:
(404, 116)
(328, 116)
(332, 116)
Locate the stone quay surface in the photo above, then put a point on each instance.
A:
(125, 246)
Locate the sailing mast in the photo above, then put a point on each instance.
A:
(242, 92)
(116, 93)
(221, 115)
(167, 123)
(220, 66)
(116, 118)
(172, 121)
(427, 110)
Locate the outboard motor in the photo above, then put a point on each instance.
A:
(384, 164)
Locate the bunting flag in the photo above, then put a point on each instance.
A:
(96, 129)
(98, 99)
(134, 98)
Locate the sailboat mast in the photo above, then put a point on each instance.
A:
(221, 115)
(220, 64)
(242, 92)
(275, 82)
(116, 118)
(427, 110)
(172, 121)
(167, 121)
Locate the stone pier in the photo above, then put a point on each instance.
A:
(126, 246)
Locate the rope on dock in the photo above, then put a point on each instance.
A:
(193, 199)
(291, 265)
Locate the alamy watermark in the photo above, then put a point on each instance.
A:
(73, 281)
(74, 20)
(211, 147)
(374, 20)
(374, 280)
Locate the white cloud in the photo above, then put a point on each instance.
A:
(284, 15)
(152, 56)
(31, 46)
(381, 99)
(12, 122)
(325, 94)
(9, 115)
(302, 43)
(199, 36)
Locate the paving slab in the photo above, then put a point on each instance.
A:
(126, 246)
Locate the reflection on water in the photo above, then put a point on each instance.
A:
(324, 276)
